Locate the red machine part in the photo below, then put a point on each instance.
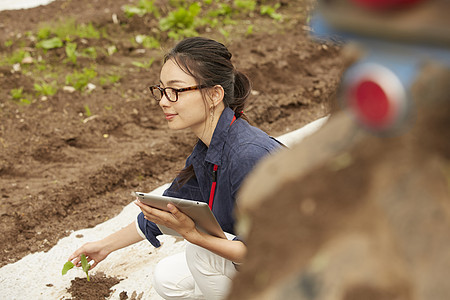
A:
(375, 96)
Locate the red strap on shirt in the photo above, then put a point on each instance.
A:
(213, 187)
(214, 183)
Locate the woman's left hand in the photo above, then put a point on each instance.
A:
(173, 219)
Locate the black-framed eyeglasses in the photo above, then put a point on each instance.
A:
(171, 93)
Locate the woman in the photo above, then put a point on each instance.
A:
(201, 90)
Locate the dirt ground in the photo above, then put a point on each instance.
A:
(62, 169)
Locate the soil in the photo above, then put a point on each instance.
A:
(63, 168)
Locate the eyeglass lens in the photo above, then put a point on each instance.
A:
(158, 93)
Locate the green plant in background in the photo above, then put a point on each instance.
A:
(45, 89)
(145, 65)
(249, 30)
(271, 11)
(84, 265)
(18, 96)
(144, 7)
(223, 10)
(89, 52)
(16, 57)
(54, 36)
(109, 79)
(87, 111)
(68, 30)
(245, 5)
(8, 43)
(148, 41)
(51, 43)
(79, 80)
(71, 52)
(180, 23)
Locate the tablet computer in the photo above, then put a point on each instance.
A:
(199, 212)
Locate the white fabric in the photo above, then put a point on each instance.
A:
(196, 273)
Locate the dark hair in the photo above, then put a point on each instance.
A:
(209, 62)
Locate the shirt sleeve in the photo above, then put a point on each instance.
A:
(148, 229)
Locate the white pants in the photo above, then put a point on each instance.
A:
(195, 274)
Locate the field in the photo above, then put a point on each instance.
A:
(78, 130)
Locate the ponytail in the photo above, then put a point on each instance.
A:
(242, 89)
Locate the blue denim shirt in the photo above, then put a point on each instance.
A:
(236, 148)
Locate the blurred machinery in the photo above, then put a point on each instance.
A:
(392, 40)
(361, 210)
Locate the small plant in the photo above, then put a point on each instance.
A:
(144, 65)
(80, 79)
(109, 79)
(181, 22)
(17, 94)
(17, 57)
(84, 265)
(271, 11)
(51, 43)
(45, 89)
(245, 5)
(148, 41)
(8, 43)
(249, 30)
(89, 52)
(144, 7)
(87, 111)
(71, 52)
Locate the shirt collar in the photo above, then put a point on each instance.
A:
(215, 149)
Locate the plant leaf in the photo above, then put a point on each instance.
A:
(84, 263)
(67, 266)
(51, 43)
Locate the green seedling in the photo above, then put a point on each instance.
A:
(271, 11)
(51, 43)
(245, 5)
(145, 65)
(45, 89)
(67, 31)
(16, 57)
(181, 22)
(148, 41)
(84, 265)
(144, 7)
(249, 30)
(109, 79)
(17, 94)
(87, 111)
(223, 10)
(71, 52)
(8, 43)
(89, 52)
(80, 79)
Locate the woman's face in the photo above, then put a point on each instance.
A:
(190, 110)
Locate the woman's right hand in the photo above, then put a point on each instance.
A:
(94, 251)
